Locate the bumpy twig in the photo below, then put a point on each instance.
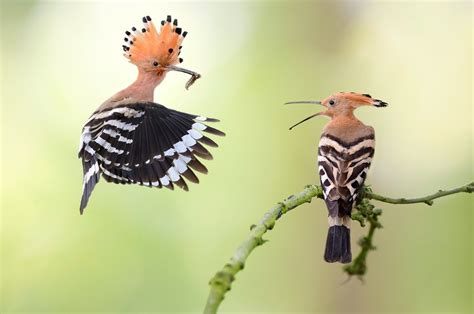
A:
(366, 212)
(222, 281)
(468, 188)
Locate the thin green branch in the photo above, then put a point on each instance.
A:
(365, 211)
(468, 188)
(222, 280)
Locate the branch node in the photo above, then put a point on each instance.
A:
(259, 241)
(470, 187)
(283, 209)
(377, 211)
(239, 266)
(359, 217)
(365, 213)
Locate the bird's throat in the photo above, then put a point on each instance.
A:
(144, 86)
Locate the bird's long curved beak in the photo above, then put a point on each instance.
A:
(306, 119)
(313, 102)
(194, 75)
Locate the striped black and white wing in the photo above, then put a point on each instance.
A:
(343, 168)
(144, 143)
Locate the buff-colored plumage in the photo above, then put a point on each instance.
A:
(345, 151)
(130, 139)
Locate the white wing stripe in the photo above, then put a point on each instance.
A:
(351, 169)
(186, 159)
(114, 176)
(85, 138)
(127, 112)
(364, 144)
(180, 147)
(90, 172)
(328, 159)
(103, 159)
(199, 126)
(173, 174)
(100, 141)
(180, 165)
(90, 150)
(195, 134)
(325, 141)
(188, 140)
(169, 152)
(121, 138)
(165, 180)
(122, 125)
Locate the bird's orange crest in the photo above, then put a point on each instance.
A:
(356, 97)
(147, 47)
(341, 103)
(361, 99)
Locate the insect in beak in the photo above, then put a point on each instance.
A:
(194, 76)
(305, 102)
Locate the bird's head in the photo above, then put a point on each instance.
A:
(340, 104)
(157, 51)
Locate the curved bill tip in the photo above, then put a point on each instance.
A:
(306, 119)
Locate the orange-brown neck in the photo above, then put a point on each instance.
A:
(343, 115)
(346, 126)
(341, 120)
(144, 86)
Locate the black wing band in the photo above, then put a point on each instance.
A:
(343, 168)
(145, 143)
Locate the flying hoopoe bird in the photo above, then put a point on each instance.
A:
(131, 139)
(345, 152)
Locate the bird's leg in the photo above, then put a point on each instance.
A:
(194, 75)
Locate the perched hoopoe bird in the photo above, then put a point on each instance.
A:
(131, 139)
(345, 152)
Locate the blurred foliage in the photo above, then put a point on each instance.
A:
(139, 249)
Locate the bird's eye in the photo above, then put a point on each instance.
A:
(331, 102)
(155, 63)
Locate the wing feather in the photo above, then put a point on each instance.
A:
(144, 143)
(343, 167)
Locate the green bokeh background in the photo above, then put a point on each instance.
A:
(146, 250)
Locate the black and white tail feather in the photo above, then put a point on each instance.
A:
(143, 143)
(343, 168)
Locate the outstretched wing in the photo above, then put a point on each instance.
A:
(343, 168)
(146, 143)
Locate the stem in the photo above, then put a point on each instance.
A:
(365, 211)
(222, 280)
(468, 188)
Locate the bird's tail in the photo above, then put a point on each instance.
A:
(338, 242)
